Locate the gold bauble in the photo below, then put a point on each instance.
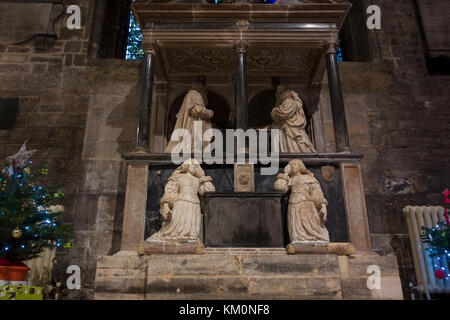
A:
(17, 233)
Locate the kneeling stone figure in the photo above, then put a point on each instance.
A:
(307, 210)
(180, 204)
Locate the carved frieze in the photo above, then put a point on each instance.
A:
(259, 60)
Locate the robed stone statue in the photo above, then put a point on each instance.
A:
(307, 209)
(193, 109)
(289, 117)
(180, 204)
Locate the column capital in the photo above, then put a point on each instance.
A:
(332, 47)
(149, 47)
(242, 25)
(240, 46)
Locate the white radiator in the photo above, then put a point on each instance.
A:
(428, 216)
(41, 268)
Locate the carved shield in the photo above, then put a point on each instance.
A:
(329, 173)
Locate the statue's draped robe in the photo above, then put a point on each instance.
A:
(181, 194)
(305, 201)
(290, 118)
(193, 109)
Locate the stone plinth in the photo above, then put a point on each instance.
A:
(338, 248)
(245, 273)
(170, 248)
(244, 219)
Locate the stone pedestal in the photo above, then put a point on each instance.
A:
(189, 247)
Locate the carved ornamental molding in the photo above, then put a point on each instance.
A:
(240, 46)
(149, 47)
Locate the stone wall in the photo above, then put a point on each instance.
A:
(409, 136)
(398, 118)
(80, 114)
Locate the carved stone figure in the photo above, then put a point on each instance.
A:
(193, 109)
(289, 117)
(307, 210)
(180, 204)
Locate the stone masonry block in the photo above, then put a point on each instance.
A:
(296, 287)
(358, 264)
(182, 285)
(290, 264)
(193, 265)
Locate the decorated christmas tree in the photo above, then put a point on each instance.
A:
(29, 215)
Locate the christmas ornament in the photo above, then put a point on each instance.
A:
(69, 245)
(22, 158)
(439, 274)
(446, 194)
(54, 261)
(27, 170)
(17, 233)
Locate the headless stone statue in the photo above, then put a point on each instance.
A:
(289, 117)
(307, 210)
(193, 109)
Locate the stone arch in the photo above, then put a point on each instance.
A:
(260, 106)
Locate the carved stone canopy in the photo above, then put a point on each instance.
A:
(288, 40)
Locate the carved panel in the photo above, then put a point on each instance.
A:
(194, 60)
(259, 60)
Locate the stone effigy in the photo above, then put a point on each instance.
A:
(289, 117)
(307, 210)
(193, 109)
(180, 205)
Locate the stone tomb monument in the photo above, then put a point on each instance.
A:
(224, 231)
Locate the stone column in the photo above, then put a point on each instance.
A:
(145, 105)
(241, 86)
(355, 205)
(337, 101)
(159, 117)
(135, 207)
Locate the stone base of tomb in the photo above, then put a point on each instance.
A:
(245, 273)
(305, 247)
(170, 247)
